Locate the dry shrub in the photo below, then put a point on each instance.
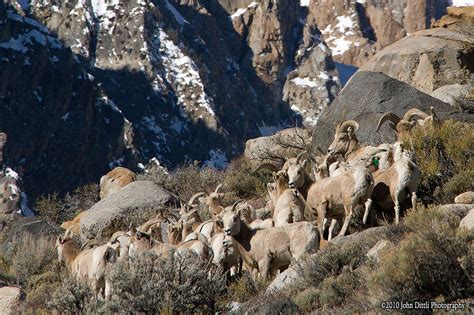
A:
(32, 257)
(73, 297)
(53, 208)
(442, 154)
(176, 284)
(238, 180)
(36, 269)
(431, 263)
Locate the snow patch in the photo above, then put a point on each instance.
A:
(217, 159)
(340, 46)
(462, 3)
(304, 82)
(242, 11)
(304, 3)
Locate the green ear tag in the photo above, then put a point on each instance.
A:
(375, 161)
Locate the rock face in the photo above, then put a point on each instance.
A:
(283, 280)
(365, 98)
(274, 149)
(379, 248)
(115, 180)
(465, 198)
(468, 220)
(356, 30)
(455, 94)
(135, 203)
(9, 300)
(120, 82)
(458, 210)
(431, 58)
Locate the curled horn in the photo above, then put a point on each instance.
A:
(267, 166)
(234, 206)
(89, 244)
(388, 117)
(116, 235)
(193, 197)
(217, 188)
(414, 114)
(345, 125)
(298, 158)
(147, 225)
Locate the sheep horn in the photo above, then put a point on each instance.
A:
(146, 226)
(193, 197)
(217, 188)
(388, 117)
(414, 114)
(234, 206)
(116, 235)
(298, 158)
(345, 125)
(267, 166)
(90, 243)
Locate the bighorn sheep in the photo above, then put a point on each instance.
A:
(335, 197)
(213, 201)
(412, 118)
(346, 143)
(272, 249)
(401, 179)
(228, 255)
(90, 265)
(148, 238)
(289, 206)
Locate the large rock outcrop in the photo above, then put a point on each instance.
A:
(277, 148)
(135, 203)
(365, 98)
(432, 58)
(356, 30)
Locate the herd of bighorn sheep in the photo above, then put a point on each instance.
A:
(329, 187)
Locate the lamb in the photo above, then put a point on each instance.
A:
(289, 206)
(335, 197)
(401, 179)
(90, 265)
(412, 118)
(275, 248)
(228, 255)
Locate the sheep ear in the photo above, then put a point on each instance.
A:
(219, 223)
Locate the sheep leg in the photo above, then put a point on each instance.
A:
(322, 217)
(413, 200)
(397, 211)
(368, 206)
(331, 228)
(347, 219)
(264, 266)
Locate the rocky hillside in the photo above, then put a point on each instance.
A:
(91, 84)
(356, 30)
